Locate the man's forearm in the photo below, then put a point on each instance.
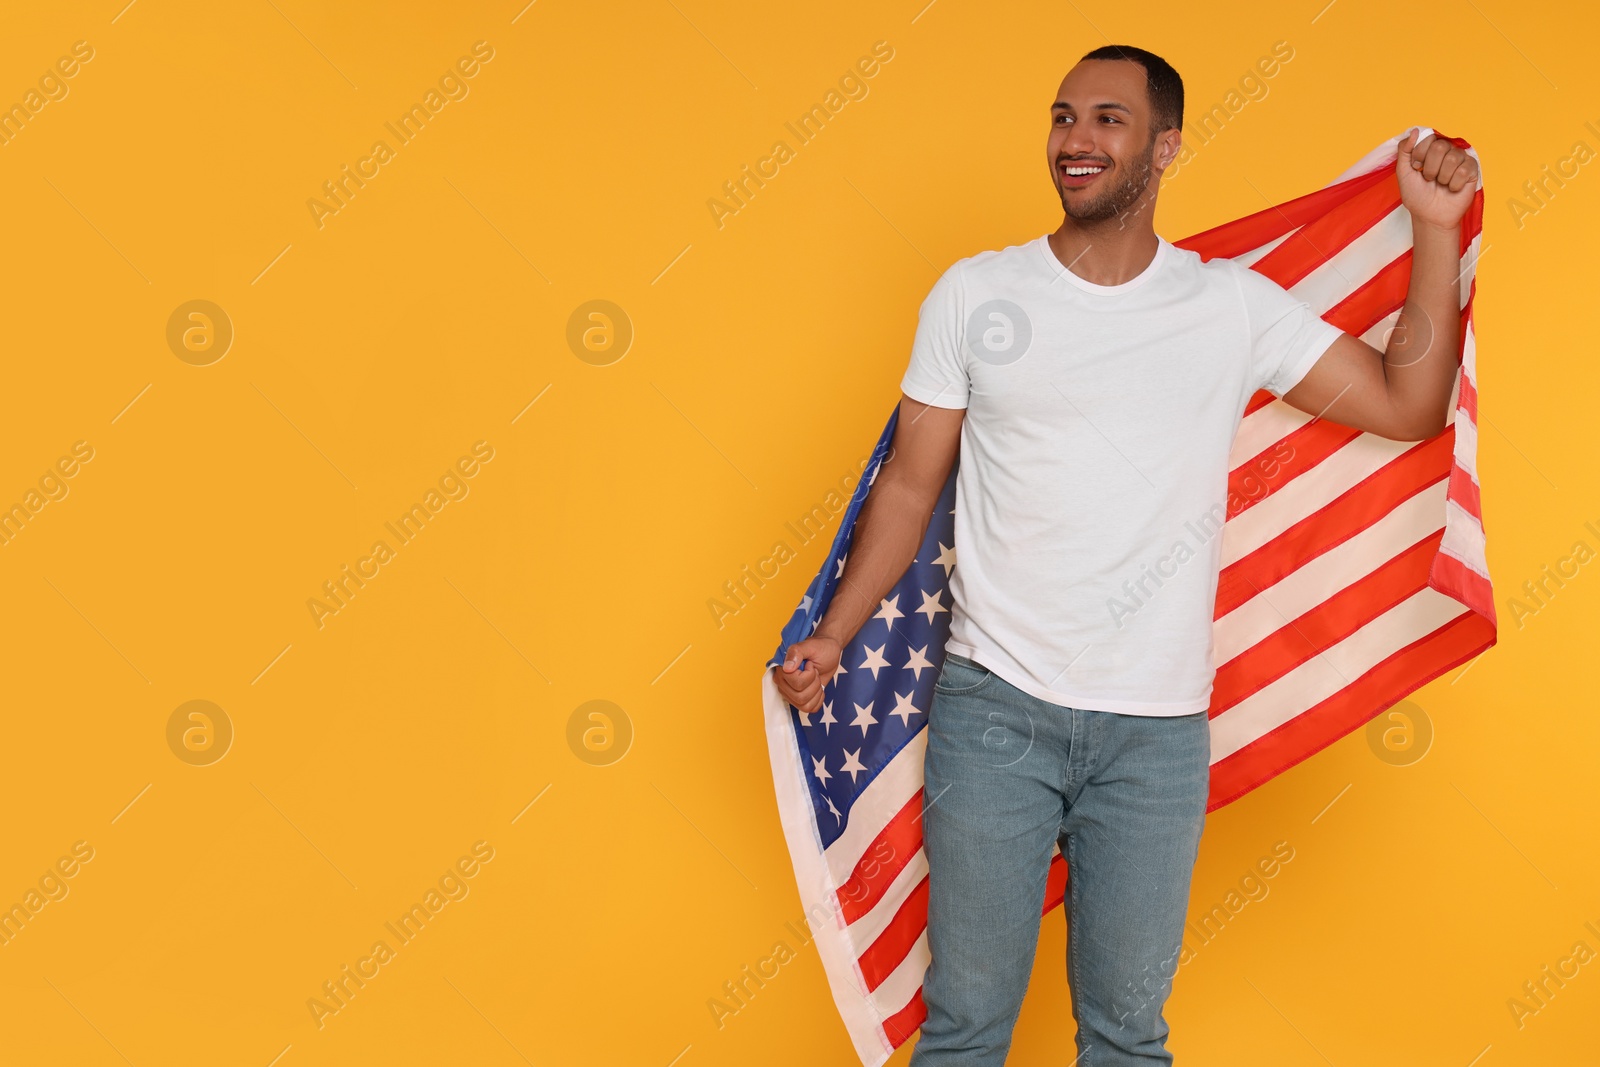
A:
(887, 534)
(1420, 362)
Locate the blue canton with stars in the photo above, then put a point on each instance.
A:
(878, 700)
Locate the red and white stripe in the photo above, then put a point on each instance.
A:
(1351, 577)
(1357, 573)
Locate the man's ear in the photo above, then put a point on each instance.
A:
(1168, 145)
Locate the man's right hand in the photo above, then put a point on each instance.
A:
(803, 688)
(927, 440)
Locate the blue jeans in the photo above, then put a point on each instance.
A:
(1008, 775)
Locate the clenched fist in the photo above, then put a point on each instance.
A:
(803, 687)
(1437, 180)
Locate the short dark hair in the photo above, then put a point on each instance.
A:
(1165, 87)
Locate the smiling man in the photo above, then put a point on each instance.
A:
(1091, 381)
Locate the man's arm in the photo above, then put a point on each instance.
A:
(1403, 391)
(888, 532)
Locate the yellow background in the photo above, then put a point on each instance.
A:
(372, 752)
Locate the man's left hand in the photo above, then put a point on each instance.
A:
(1437, 180)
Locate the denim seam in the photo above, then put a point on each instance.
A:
(988, 675)
(1072, 750)
(1072, 934)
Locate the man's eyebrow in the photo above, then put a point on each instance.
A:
(1062, 105)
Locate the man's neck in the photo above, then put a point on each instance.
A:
(1107, 253)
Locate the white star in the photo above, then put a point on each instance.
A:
(904, 708)
(890, 611)
(834, 677)
(853, 764)
(827, 719)
(805, 718)
(874, 659)
(836, 816)
(918, 661)
(805, 601)
(840, 571)
(864, 718)
(946, 558)
(931, 605)
(819, 767)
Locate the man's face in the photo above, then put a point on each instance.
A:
(1100, 129)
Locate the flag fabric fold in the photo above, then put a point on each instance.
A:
(1353, 572)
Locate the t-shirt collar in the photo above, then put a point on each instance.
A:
(1162, 252)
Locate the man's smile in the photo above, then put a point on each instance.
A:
(1075, 174)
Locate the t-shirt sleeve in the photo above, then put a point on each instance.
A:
(1286, 336)
(937, 372)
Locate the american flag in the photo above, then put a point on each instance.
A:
(1352, 575)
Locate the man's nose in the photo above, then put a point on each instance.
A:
(1079, 141)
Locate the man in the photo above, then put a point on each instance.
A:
(1093, 380)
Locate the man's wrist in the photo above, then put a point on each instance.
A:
(828, 630)
(1423, 230)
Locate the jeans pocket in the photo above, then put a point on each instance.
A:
(961, 675)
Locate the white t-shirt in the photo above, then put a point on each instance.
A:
(1094, 461)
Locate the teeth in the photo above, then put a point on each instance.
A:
(1081, 171)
